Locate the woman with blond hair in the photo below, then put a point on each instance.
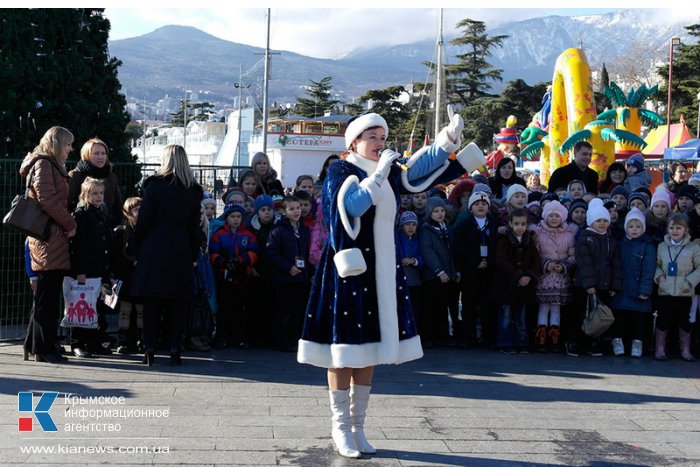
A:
(94, 162)
(167, 237)
(47, 181)
(269, 183)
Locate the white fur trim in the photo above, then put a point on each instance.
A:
(349, 262)
(357, 355)
(353, 232)
(471, 157)
(360, 124)
(443, 142)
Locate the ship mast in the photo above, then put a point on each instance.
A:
(265, 109)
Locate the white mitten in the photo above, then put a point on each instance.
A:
(456, 126)
(384, 166)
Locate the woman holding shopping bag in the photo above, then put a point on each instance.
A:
(359, 314)
(48, 184)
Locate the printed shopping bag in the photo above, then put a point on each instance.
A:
(81, 303)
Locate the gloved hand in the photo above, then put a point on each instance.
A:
(384, 166)
(456, 126)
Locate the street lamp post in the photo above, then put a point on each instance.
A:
(674, 42)
(184, 135)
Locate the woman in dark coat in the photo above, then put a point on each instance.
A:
(269, 183)
(94, 162)
(48, 185)
(167, 236)
(504, 177)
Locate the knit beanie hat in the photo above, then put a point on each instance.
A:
(235, 191)
(233, 207)
(482, 188)
(534, 196)
(639, 196)
(694, 179)
(660, 196)
(434, 202)
(620, 190)
(480, 178)
(513, 189)
(686, 190)
(208, 202)
(554, 207)
(577, 203)
(596, 211)
(406, 217)
(636, 161)
(549, 197)
(478, 196)
(277, 201)
(636, 214)
(696, 197)
(261, 201)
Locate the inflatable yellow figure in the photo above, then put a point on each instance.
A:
(573, 105)
(628, 114)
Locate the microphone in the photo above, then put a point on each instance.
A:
(403, 167)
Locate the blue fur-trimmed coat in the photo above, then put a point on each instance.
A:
(365, 320)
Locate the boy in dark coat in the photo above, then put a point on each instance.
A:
(287, 253)
(518, 266)
(597, 272)
(475, 235)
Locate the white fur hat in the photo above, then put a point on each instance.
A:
(636, 215)
(513, 189)
(596, 211)
(361, 123)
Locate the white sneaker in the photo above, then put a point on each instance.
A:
(636, 348)
(618, 347)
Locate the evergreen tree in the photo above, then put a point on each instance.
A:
(55, 69)
(196, 111)
(601, 100)
(471, 77)
(319, 101)
(686, 80)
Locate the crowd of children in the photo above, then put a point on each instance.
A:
(514, 271)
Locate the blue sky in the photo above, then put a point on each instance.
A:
(331, 32)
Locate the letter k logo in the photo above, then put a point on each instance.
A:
(41, 411)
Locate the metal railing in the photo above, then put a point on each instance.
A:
(15, 293)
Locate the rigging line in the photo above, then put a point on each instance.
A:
(422, 95)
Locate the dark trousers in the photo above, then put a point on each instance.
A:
(289, 312)
(415, 296)
(46, 309)
(573, 319)
(175, 312)
(436, 299)
(673, 311)
(629, 325)
(232, 317)
(512, 327)
(478, 314)
(260, 305)
(89, 339)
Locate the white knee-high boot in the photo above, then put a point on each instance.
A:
(341, 430)
(359, 398)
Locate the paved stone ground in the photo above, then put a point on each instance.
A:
(452, 408)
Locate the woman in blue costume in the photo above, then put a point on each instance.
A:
(359, 314)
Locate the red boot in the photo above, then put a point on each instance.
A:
(554, 338)
(541, 338)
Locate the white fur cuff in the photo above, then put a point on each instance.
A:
(471, 157)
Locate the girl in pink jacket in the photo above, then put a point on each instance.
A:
(556, 245)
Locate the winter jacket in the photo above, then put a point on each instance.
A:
(467, 239)
(639, 180)
(409, 247)
(687, 257)
(655, 229)
(50, 188)
(282, 249)
(638, 260)
(262, 232)
(319, 233)
(436, 248)
(91, 245)
(597, 262)
(515, 260)
(228, 244)
(556, 246)
(112, 196)
(570, 172)
(124, 257)
(167, 237)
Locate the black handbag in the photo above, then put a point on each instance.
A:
(26, 216)
(199, 321)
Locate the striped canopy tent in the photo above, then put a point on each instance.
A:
(657, 139)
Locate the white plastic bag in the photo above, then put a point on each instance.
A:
(81, 303)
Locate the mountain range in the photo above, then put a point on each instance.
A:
(172, 57)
